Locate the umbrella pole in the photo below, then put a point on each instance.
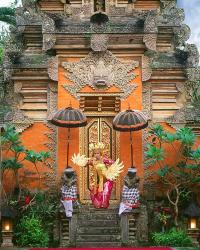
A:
(68, 137)
(131, 140)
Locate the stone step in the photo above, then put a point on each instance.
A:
(86, 209)
(65, 233)
(98, 223)
(65, 238)
(99, 230)
(102, 216)
(98, 244)
(98, 238)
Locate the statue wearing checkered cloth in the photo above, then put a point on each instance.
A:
(130, 193)
(69, 191)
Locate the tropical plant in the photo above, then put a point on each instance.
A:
(179, 175)
(174, 238)
(15, 154)
(43, 206)
(7, 15)
(30, 232)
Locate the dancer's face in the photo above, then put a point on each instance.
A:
(97, 154)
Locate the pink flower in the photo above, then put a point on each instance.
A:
(27, 200)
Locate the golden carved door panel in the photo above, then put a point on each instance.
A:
(98, 129)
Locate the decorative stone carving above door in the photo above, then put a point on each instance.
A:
(100, 70)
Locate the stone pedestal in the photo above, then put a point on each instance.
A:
(7, 239)
(194, 235)
(129, 228)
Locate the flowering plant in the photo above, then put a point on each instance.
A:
(164, 214)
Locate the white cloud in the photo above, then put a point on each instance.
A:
(5, 3)
(192, 15)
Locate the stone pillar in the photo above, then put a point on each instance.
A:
(7, 239)
(194, 235)
(142, 225)
(129, 222)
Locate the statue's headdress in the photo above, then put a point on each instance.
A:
(96, 146)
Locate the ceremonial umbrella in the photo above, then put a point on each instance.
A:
(128, 121)
(69, 118)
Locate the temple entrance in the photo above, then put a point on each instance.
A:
(98, 129)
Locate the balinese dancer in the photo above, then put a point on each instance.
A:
(104, 173)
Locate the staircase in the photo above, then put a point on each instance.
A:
(90, 227)
(98, 228)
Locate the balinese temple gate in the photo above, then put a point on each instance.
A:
(101, 57)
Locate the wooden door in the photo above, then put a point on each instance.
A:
(98, 129)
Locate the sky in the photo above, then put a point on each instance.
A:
(192, 16)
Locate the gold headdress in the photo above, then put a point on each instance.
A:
(96, 146)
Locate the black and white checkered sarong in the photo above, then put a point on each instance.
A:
(130, 195)
(69, 192)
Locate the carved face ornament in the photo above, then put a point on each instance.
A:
(100, 70)
(102, 75)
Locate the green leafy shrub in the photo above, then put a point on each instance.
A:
(175, 238)
(30, 233)
(180, 176)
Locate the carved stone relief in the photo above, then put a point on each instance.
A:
(99, 42)
(179, 119)
(53, 68)
(146, 68)
(51, 99)
(52, 144)
(48, 30)
(29, 5)
(182, 34)
(99, 70)
(99, 38)
(16, 116)
(193, 94)
(193, 55)
(50, 176)
(146, 100)
(99, 5)
(170, 13)
(150, 30)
